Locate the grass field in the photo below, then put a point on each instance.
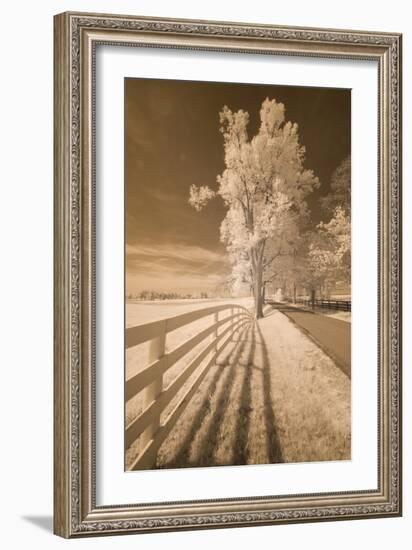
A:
(138, 313)
(273, 396)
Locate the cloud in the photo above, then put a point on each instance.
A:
(177, 251)
(160, 195)
(172, 267)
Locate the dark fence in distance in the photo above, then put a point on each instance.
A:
(342, 305)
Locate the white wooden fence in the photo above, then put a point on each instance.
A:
(156, 397)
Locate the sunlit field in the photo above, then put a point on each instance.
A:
(273, 396)
(137, 313)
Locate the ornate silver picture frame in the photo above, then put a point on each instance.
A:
(78, 511)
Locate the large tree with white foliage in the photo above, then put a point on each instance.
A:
(263, 186)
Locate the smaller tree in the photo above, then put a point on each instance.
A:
(340, 189)
(330, 250)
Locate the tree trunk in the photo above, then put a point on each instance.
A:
(294, 293)
(258, 295)
(312, 298)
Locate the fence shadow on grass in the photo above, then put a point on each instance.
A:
(274, 448)
(241, 450)
(211, 441)
(218, 400)
(226, 367)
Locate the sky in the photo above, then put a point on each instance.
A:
(172, 141)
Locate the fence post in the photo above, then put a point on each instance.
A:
(153, 390)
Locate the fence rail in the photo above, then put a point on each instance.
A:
(149, 380)
(342, 305)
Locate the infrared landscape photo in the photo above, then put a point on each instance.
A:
(237, 274)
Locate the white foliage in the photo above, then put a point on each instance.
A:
(200, 196)
(330, 253)
(263, 186)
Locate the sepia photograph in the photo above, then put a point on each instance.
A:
(237, 274)
(227, 273)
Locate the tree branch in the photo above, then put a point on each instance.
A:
(271, 278)
(273, 258)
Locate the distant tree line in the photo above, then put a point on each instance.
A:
(151, 295)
